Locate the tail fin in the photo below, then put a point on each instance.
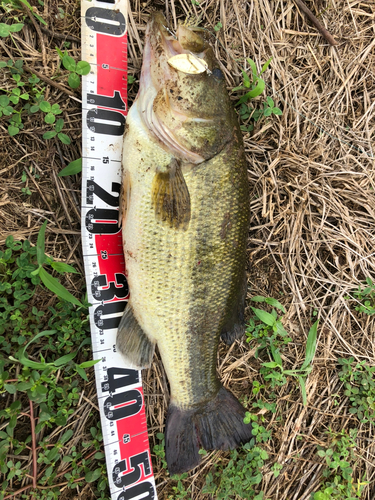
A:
(215, 425)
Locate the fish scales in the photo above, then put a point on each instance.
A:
(185, 224)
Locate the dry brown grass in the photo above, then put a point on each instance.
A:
(312, 232)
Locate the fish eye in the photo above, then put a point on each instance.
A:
(218, 73)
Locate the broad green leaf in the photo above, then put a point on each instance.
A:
(8, 110)
(65, 359)
(14, 99)
(57, 288)
(66, 436)
(277, 111)
(271, 364)
(92, 476)
(275, 303)
(270, 101)
(40, 255)
(3, 64)
(69, 63)
(59, 125)
(13, 28)
(49, 134)
(310, 345)
(34, 109)
(49, 118)
(12, 389)
(280, 329)
(253, 93)
(74, 80)
(55, 109)
(301, 381)
(12, 130)
(267, 112)
(4, 30)
(4, 100)
(24, 386)
(25, 96)
(258, 298)
(63, 138)
(264, 316)
(83, 68)
(45, 106)
(81, 372)
(16, 91)
(74, 167)
(62, 268)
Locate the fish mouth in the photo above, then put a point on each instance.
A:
(187, 40)
(160, 46)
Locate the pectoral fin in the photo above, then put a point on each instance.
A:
(124, 199)
(170, 197)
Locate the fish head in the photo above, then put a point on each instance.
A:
(183, 98)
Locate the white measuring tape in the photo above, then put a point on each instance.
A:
(104, 108)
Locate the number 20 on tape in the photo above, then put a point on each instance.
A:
(104, 109)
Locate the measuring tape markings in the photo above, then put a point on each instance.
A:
(120, 393)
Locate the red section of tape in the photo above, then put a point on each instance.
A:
(112, 65)
(110, 255)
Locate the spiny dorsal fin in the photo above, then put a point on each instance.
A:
(170, 197)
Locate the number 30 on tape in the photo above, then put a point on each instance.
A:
(104, 109)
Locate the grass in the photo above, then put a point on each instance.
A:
(310, 250)
(40, 373)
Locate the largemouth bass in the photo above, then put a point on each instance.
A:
(185, 217)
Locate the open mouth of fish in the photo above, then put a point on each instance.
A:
(185, 51)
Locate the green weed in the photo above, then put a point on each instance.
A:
(38, 369)
(254, 85)
(240, 477)
(159, 450)
(76, 70)
(25, 96)
(265, 327)
(74, 167)
(340, 458)
(359, 383)
(268, 333)
(365, 298)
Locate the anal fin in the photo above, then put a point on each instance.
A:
(132, 341)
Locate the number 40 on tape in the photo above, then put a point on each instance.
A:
(104, 109)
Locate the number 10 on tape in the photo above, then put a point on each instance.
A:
(104, 109)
